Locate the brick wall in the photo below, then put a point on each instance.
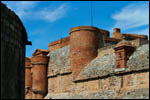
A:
(58, 44)
(118, 35)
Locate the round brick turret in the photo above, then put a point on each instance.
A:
(39, 76)
(84, 42)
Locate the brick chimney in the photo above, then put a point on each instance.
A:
(123, 51)
(28, 79)
(117, 34)
(84, 43)
(39, 70)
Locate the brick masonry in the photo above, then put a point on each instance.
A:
(28, 79)
(39, 74)
(84, 42)
(58, 44)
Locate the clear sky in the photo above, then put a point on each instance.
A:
(47, 21)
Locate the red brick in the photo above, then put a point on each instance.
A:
(84, 43)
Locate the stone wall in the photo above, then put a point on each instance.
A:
(105, 51)
(99, 80)
(13, 41)
(119, 86)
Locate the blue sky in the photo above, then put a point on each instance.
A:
(47, 21)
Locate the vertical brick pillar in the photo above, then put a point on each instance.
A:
(84, 42)
(39, 76)
(123, 51)
(28, 77)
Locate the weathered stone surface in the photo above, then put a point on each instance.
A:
(103, 66)
(109, 88)
(83, 95)
(136, 94)
(59, 61)
(100, 66)
(60, 84)
(139, 59)
(130, 94)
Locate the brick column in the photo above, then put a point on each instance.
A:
(39, 69)
(28, 77)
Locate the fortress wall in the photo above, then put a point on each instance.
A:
(58, 44)
(120, 84)
(106, 51)
(132, 83)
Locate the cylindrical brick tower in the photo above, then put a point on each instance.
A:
(39, 76)
(28, 79)
(84, 42)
